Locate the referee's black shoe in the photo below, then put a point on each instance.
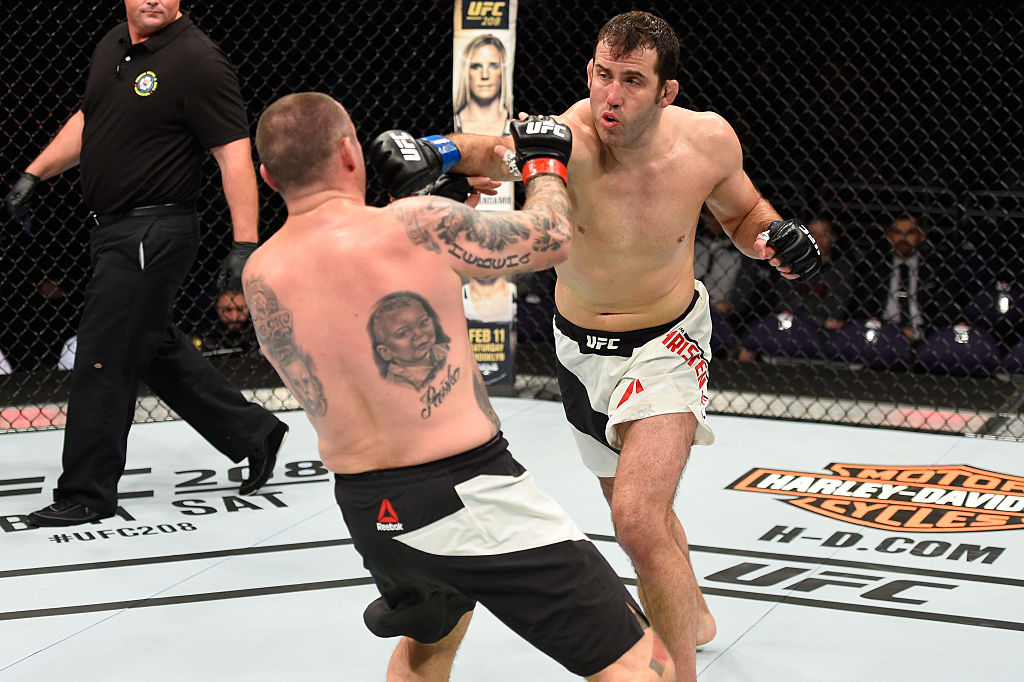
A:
(261, 463)
(65, 513)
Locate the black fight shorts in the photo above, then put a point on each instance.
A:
(440, 537)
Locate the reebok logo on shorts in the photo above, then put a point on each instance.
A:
(387, 519)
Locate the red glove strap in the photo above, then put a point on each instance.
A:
(545, 167)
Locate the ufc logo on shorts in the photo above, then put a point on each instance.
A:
(541, 127)
(407, 146)
(599, 342)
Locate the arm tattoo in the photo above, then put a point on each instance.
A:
(419, 233)
(494, 232)
(453, 222)
(547, 191)
(274, 329)
(445, 225)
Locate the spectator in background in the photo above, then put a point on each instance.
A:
(990, 257)
(68, 349)
(716, 262)
(905, 282)
(41, 276)
(824, 299)
(48, 317)
(231, 331)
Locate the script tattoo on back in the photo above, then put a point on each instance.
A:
(274, 328)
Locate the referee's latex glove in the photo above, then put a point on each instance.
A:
(230, 274)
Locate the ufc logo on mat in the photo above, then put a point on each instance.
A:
(541, 127)
(407, 146)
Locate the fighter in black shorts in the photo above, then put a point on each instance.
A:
(441, 536)
(360, 311)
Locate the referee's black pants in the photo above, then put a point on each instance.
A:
(126, 334)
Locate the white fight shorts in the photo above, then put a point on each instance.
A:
(607, 378)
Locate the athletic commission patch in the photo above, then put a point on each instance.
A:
(916, 499)
(145, 84)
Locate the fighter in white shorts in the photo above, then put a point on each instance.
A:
(608, 378)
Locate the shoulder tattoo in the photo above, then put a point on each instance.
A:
(273, 325)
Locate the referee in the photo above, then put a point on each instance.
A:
(159, 93)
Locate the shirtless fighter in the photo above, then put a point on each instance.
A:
(360, 311)
(632, 326)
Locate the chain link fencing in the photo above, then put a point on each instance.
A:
(884, 125)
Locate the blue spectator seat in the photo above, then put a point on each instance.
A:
(723, 338)
(998, 307)
(1015, 359)
(960, 350)
(872, 343)
(784, 335)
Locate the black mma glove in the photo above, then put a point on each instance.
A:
(408, 165)
(230, 274)
(453, 186)
(795, 247)
(543, 146)
(19, 198)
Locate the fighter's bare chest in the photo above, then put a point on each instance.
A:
(650, 207)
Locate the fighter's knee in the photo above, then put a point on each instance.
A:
(639, 535)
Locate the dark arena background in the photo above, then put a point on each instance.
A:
(858, 112)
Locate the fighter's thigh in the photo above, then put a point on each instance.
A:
(654, 453)
(647, 660)
(565, 599)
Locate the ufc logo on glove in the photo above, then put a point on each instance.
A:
(407, 145)
(541, 127)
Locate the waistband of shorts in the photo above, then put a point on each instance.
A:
(492, 448)
(155, 211)
(624, 342)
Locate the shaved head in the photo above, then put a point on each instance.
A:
(297, 138)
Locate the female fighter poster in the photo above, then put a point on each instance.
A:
(484, 52)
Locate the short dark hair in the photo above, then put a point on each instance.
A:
(632, 31)
(297, 135)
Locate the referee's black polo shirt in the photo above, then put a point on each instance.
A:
(151, 110)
